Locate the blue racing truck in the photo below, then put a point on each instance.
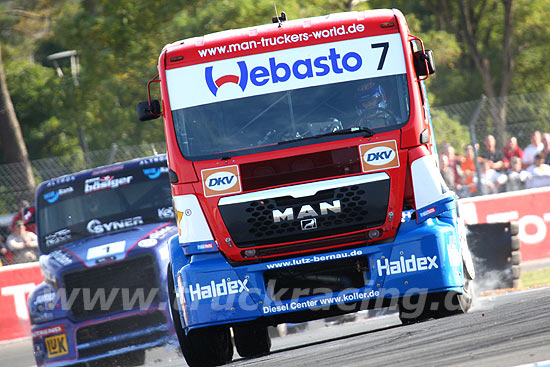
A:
(103, 237)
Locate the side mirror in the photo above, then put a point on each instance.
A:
(424, 63)
(148, 111)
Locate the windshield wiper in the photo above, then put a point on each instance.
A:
(352, 130)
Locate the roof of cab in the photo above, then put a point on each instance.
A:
(290, 26)
(102, 170)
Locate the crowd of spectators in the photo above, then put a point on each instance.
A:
(496, 171)
(20, 245)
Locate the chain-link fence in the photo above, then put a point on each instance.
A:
(519, 116)
(13, 187)
(515, 116)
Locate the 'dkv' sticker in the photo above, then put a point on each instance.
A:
(379, 156)
(221, 181)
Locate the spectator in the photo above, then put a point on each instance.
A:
(546, 149)
(454, 163)
(511, 149)
(493, 157)
(24, 209)
(469, 168)
(447, 172)
(539, 173)
(516, 175)
(22, 243)
(3, 252)
(532, 149)
(492, 181)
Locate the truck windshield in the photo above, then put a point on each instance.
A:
(100, 204)
(260, 123)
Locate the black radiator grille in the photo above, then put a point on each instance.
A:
(126, 280)
(361, 206)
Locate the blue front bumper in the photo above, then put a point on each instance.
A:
(424, 258)
(63, 342)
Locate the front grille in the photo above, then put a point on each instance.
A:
(120, 326)
(134, 330)
(252, 223)
(301, 281)
(348, 241)
(112, 288)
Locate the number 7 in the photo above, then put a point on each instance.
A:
(385, 46)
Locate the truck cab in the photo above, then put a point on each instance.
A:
(103, 237)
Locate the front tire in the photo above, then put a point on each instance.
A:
(208, 346)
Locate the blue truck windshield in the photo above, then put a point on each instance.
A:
(258, 123)
(98, 204)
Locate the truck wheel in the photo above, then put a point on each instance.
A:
(415, 309)
(208, 346)
(251, 340)
(453, 303)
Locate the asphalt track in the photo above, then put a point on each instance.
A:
(503, 330)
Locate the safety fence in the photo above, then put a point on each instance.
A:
(503, 117)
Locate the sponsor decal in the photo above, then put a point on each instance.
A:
(103, 171)
(96, 226)
(152, 240)
(283, 39)
(306, 211)
(427, 212)
(57, 329)
(161, 232)
(410, 265)
(214, 289)
(155, 159)
(322, 301)
(221, 181)
(58, 237)
(60, 180)
(154, 172)
(379, 156)
(205, 246)
(453, 250)
(105, 182)
(148, 242)
(288, 69)
(56, 345)
(106, 250)
(52, 196)
(280, 71)
(165, 213)
(45, 298)
(314, 259)
(406, 215)
(61, 257)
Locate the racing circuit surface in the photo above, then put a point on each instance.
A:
(502, 330)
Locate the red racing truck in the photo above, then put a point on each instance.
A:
(304, 180)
